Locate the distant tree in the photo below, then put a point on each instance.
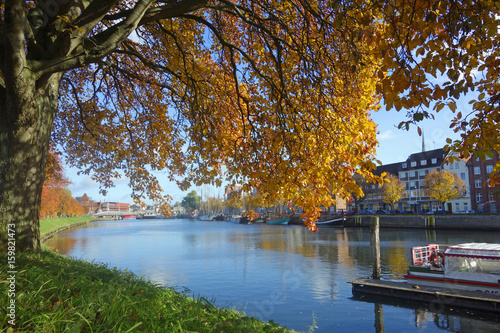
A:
(444, 186)
(235, 200)
(191, 201)
(215, 204)
(68, 206)
(56, 198)
(261, 199)
(392, 190)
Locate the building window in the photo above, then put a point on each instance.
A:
(422, 173)
(457, 207)
(413, 164)
(492, 197)
(423, 162)
(466, 206)
(413, 174)
(412, 184)
(457, 165)
(451, 166)
(477, 170)
(479, 197)
(488, 158)
(434, 160)
(462, 176)
(403, 175)
(489, 169)
(404, 165)
(477, 183)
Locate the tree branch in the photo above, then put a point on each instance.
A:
(14, 56)
(86, 51)
(174, 9)
(100, 46)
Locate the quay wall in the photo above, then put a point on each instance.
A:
(458, 222)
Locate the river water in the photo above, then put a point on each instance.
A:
(279, 273)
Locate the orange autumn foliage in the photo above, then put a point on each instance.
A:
(56, 198)
(273, 95)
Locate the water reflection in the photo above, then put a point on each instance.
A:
(445, 318)
(281, 273)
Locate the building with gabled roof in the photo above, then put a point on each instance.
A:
(411, 173)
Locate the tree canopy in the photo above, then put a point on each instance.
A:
(444, 186)
(392, 190)
(191, 201)
(270, 94)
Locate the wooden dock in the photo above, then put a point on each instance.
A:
(446, 297)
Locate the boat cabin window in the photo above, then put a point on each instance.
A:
(472, 265)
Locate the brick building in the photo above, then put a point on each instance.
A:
(91, 207)
(115, 206)
(484, 198)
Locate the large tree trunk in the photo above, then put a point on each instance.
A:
(27, 110)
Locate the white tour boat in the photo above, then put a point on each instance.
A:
(470, 266)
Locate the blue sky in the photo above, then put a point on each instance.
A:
(395, 146)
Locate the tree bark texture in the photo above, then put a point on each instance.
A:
(27, 110)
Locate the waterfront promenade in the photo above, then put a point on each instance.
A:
(455, 222)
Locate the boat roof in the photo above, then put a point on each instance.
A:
(476, 250)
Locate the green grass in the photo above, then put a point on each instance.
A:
(59, 294)
(50, 224)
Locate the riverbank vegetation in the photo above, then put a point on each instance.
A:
(59, 294)
(53, 223)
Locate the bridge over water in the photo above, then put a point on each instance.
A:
(116, 215)
(120, 214)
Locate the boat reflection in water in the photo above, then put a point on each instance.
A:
(434, 316)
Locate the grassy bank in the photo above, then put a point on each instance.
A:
(52, 224)
(54, 293)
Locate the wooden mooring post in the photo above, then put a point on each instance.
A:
(375, 246)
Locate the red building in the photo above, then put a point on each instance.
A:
(484, 198)
(91, 207)
(115, 206)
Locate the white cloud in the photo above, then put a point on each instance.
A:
(387, 135)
